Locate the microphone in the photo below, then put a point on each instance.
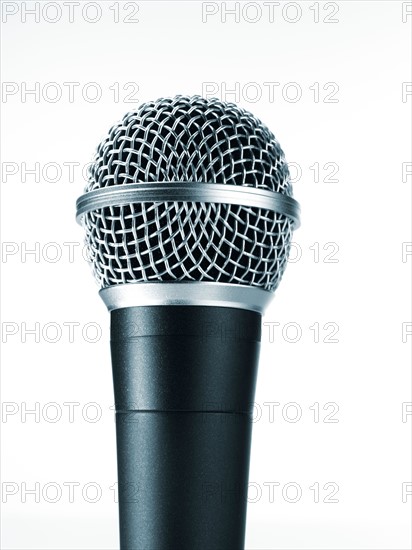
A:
(188, 214)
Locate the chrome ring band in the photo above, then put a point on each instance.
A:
(119, 195)
(185, 294)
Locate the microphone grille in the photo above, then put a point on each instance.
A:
(189, 139)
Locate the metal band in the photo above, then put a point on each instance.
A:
(118, 195)
(186, 294)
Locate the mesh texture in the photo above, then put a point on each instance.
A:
(197, 140)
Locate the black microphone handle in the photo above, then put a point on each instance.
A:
(184, 382)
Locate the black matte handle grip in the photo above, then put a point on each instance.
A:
(184, 381)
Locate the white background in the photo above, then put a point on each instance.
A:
(175, 47)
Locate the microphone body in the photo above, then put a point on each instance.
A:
(188, 215)
(184, 381)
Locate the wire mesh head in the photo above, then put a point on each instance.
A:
(189, 139)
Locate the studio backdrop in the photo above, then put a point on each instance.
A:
(304, 111)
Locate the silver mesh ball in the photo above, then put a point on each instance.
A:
(194, 140)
